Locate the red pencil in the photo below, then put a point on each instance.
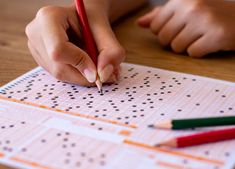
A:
(87, 36)
(201, 138)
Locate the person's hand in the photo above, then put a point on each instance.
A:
(198, 27)
(55, 41)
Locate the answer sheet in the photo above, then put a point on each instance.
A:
(45, 123)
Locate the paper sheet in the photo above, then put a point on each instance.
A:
(45, 123)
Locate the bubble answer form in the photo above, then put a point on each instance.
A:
(45, 123)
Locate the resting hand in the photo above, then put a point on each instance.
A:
(198, 27)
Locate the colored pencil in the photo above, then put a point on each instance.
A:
(201, 138)
(90, 45)
(195, 122)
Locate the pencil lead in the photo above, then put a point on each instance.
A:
(99, 85)
(151, 126)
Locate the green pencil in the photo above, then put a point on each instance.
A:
(195, 122)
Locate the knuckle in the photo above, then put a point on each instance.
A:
(55, 53)
(45, 11)
(48, 11)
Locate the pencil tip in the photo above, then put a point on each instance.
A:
(151, 126)
(162, 125)
(167, 143)
(99, 86)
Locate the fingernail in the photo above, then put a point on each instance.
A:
(90, 75)
(105, 73)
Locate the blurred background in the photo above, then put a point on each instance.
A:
(14, 16)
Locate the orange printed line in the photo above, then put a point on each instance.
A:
(71, 113)
(173, 152)
(170, 165)
(125, 132)
(34, 164)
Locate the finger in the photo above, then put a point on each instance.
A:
(111, 53)
(203, 46)
(59, 49)
(185, 38)
(161, 18)
(69, 74)
(63, 72)
(170, 30)
(70, 54)
(144, 21)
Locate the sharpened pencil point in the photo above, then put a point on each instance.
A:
(162, 125)
(99, 85)
(167, 143)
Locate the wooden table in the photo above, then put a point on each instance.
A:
(141, 46)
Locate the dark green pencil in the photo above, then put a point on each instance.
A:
(195, 122)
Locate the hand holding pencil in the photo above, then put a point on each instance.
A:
(90, 45)
(56, 42)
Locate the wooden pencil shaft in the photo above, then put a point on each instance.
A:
(203, 122)
(206, 137)
(91, 48)
(86, 31)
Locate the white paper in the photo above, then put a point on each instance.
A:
(45, 123)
